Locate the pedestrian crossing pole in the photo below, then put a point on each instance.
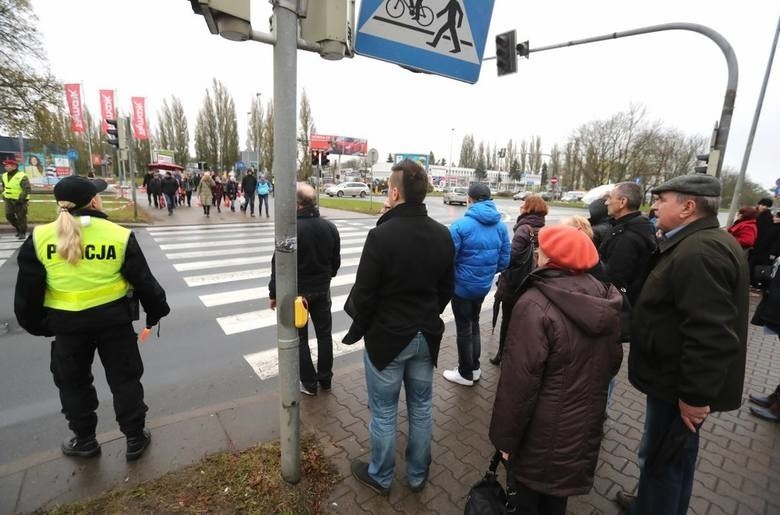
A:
(285, 233)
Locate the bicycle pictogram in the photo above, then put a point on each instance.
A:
(423, 15)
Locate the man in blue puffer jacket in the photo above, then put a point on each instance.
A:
(481, 251)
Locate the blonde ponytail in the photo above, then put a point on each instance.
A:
(68, 233)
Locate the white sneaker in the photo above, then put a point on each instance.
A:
(454, 376)
(476, 374)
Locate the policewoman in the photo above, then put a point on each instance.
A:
(16, 190)
(76, 279)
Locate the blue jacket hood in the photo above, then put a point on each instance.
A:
(485, 212)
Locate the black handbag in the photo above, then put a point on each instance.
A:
(487, 496)
(762, 273)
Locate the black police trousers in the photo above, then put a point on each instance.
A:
(71, 365)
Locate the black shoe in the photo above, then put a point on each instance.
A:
(86, 447)
(771, 413)
(308, 391)
(764, 400)
(625, 500)
(137, 444)
(495, 360)
(360, 472)
(325, 386)
(21, 235)
(419, 488)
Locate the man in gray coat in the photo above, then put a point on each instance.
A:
(688, 339)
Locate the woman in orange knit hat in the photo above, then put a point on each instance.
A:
(559, 356)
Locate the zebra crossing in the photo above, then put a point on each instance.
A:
(227, 267)
(8, 246)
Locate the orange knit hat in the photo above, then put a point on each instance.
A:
(568, 247)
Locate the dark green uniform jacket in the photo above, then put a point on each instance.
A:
(689, 326)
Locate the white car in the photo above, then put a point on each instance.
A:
(351, 189)
(572, 196)
(456, 195)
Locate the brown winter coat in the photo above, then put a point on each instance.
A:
(205, 191)
(559, 357)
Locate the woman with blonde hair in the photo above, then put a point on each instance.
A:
(205, 191)
(78, 280)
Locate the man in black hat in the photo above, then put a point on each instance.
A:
(481, 251)
(75, 279)
(688, 339)
(765, 238)
(16, 190)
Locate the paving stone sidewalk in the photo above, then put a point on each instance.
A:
(738, 471)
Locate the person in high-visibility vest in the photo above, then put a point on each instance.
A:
(16, 190)
(80, 279)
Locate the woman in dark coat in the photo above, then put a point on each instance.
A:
(560, 355)
(768, 315)
(527, 226)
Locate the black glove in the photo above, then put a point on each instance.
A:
(151, 322)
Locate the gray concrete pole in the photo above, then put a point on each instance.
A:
(285, 233)
(752, 135)
(131, 165)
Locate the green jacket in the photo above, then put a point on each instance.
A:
(689, 325)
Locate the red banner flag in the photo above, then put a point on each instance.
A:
(73, 99)
(139, 118)
(107, 107)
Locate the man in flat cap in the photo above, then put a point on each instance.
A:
(16, 190)
(481, 251)
(688, 339)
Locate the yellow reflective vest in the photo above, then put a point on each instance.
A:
(93, 281)
(12, 188)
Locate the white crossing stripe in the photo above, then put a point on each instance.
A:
(218, 263)
(231, 297)
(215, 243)
(11, 245)
(233, 237)
(226, 277)
(266, 363)
(240, 250)
(9, 253)
(2, 262)
(220, 227)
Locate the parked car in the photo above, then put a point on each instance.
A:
(455, 195)
(521, 195)
(352, 189)
(572, 196)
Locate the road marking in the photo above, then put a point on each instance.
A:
(2, 262)
(266, 363)
(234, 237)
(239, 250)
(216, 243)
(192, 229)
(248, 294)
(6, 253)
(241, 275)
(220, 263)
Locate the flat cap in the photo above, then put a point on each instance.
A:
(698, 184)
(77, 189)
(479, 191)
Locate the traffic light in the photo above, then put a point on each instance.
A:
(315, 157)
(523, 49)
(325, 161)
(707, 163)
(229, 18)
(116, 134)
(506, 53)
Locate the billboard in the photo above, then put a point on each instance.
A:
(56, 166)
(339, 144)
(420, 158)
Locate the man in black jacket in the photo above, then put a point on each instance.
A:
(630, 242)
(404, 281)
(688, 338)
(319, 258)
(248, 185)
(169, 188)
(765, 237)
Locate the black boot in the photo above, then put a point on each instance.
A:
(137, 444)
(84, 447)
(496, 360)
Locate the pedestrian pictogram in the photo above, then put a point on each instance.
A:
(444, 37)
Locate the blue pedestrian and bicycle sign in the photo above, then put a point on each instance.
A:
(443, 37)
(72, 154)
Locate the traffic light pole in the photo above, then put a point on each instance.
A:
(722, 131)
(285, 232)
(131, 166)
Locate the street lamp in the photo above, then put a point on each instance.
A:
(449, 163)
(258, 128)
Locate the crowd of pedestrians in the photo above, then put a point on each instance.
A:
(211, 190)
(673, 285)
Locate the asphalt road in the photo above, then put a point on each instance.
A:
(217, 345)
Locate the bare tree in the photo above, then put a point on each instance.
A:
(254, 136)
(268, 139)
(468, 153)
(206, 134)
(25, 81)
(305, 129)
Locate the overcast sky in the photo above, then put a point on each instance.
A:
(158, 48)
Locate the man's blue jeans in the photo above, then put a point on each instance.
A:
(668, 490)
(466, 313)
(414, 367)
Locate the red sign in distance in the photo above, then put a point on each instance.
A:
(554, 180)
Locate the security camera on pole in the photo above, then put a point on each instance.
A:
(326, 28)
